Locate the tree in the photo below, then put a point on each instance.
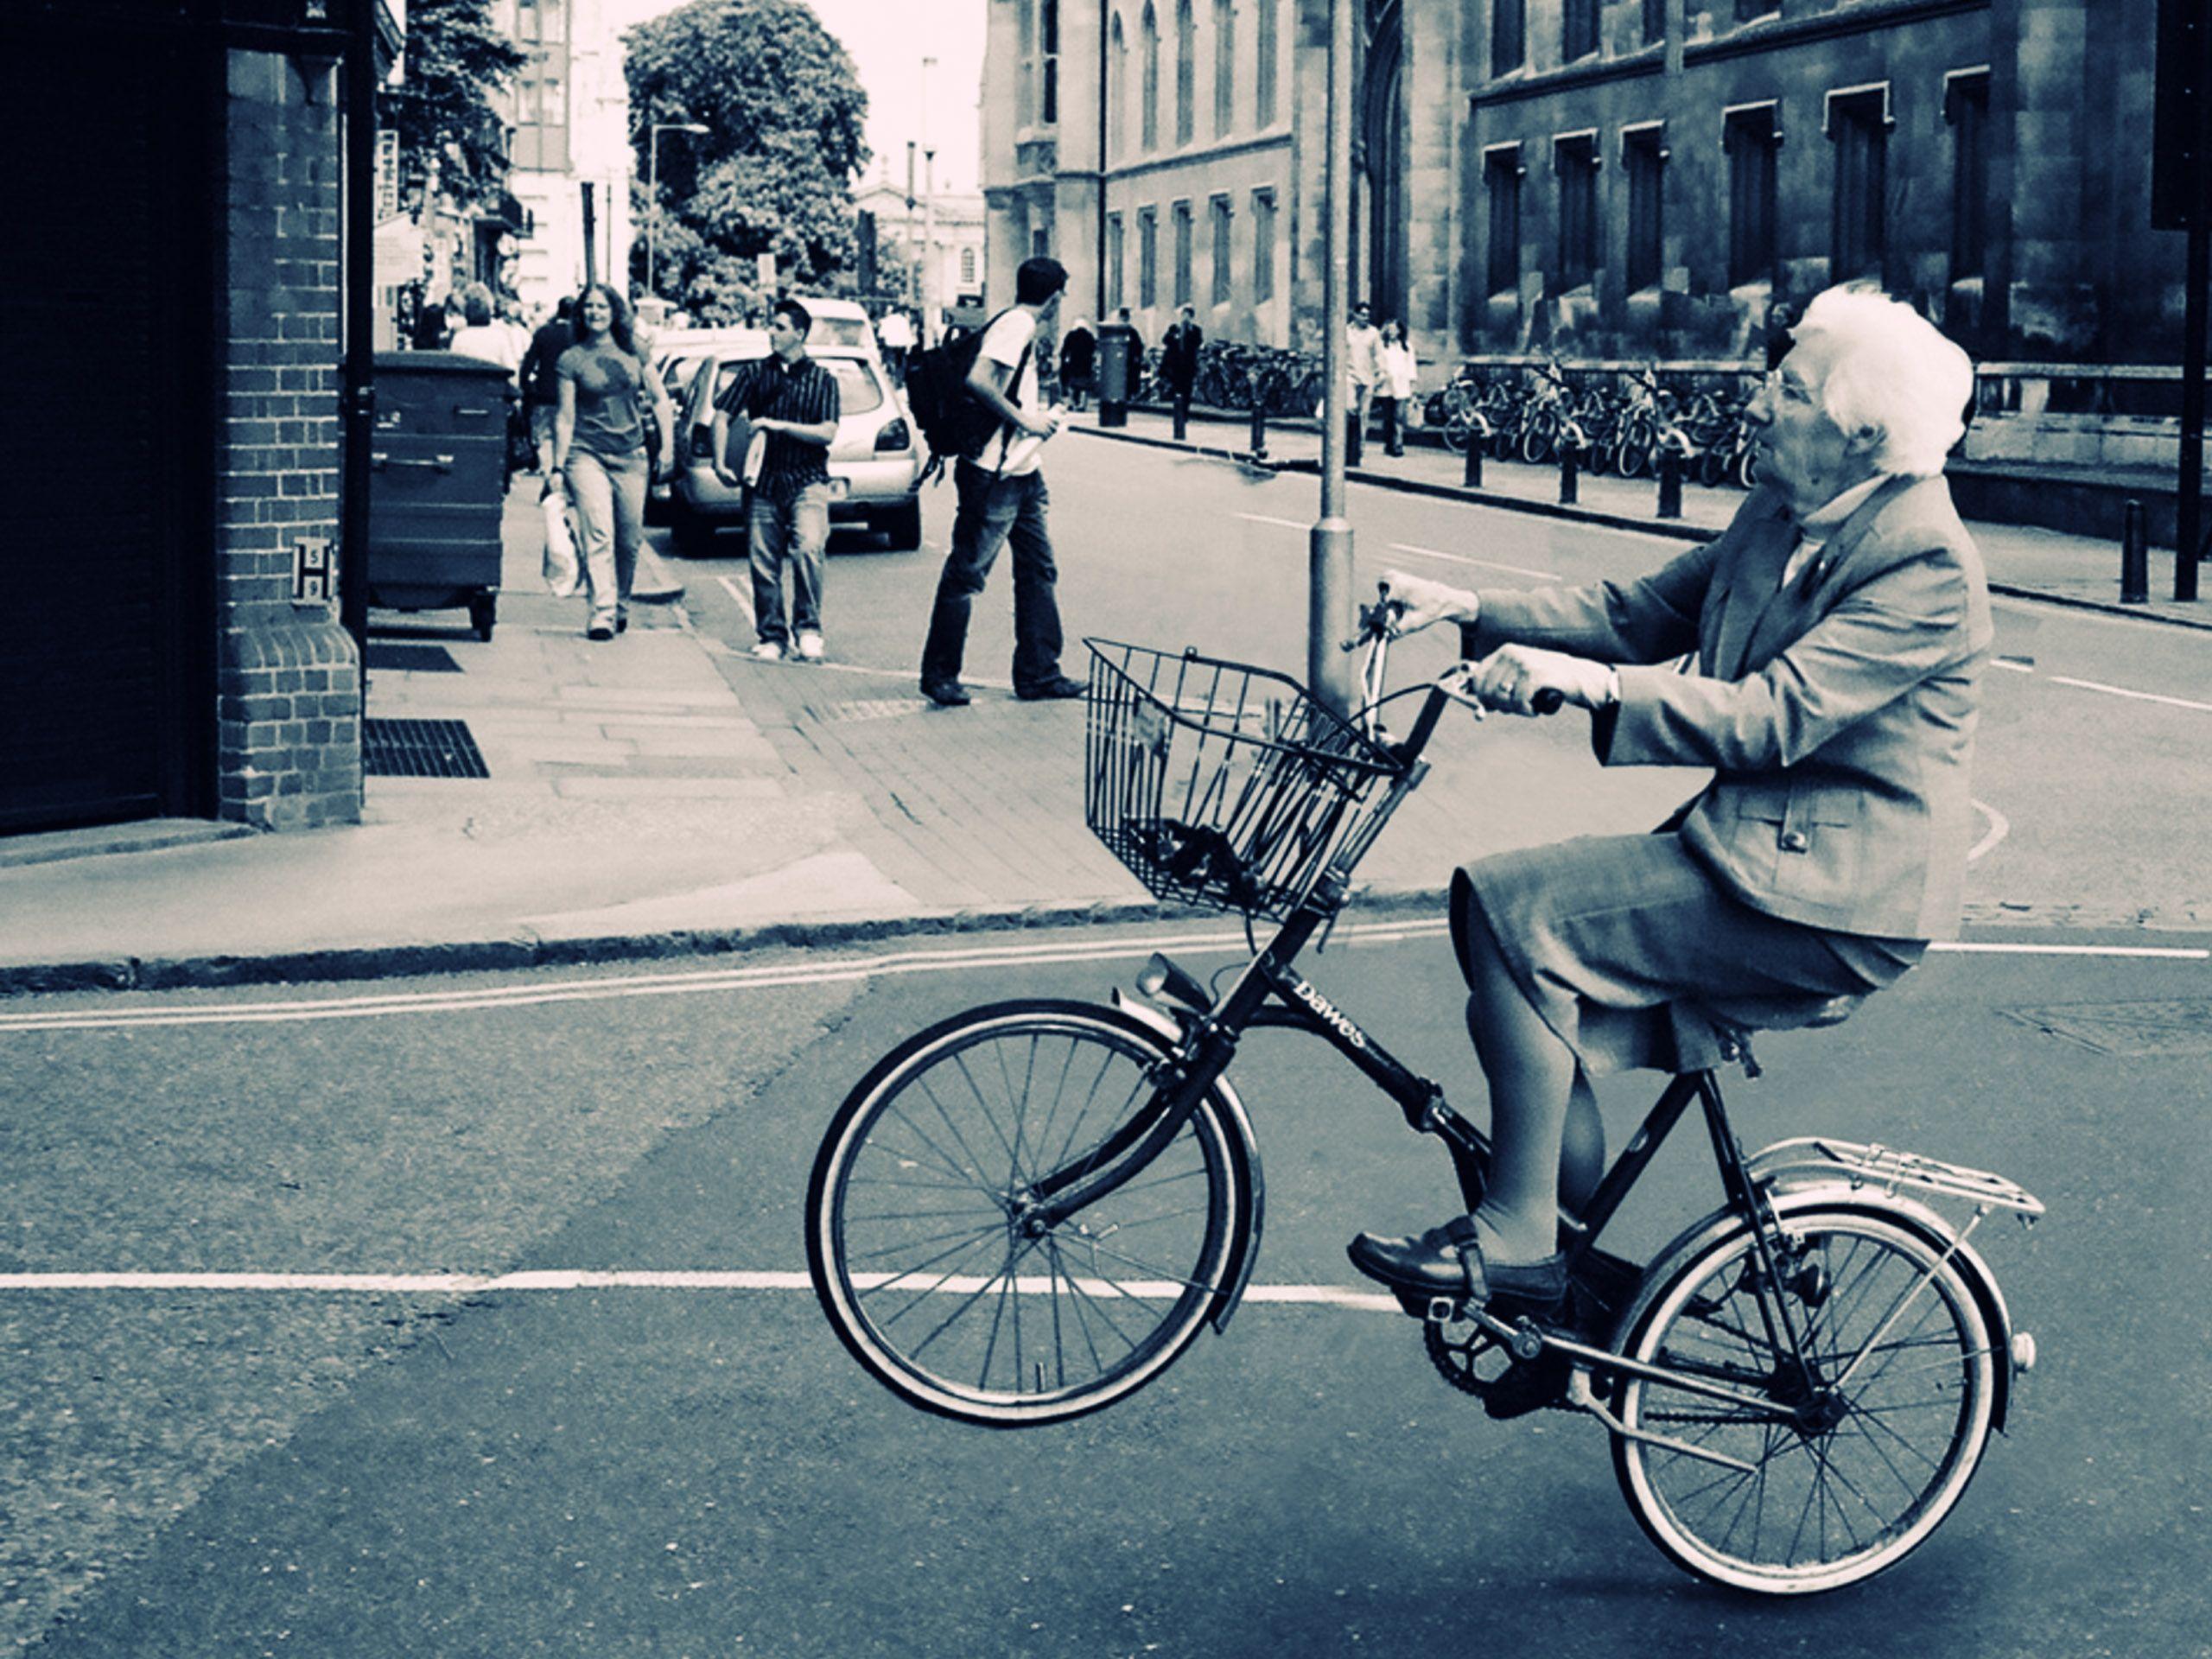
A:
(442, 110)
(773, 174)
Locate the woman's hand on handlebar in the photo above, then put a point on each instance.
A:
(1426, 602)
(1527, 680)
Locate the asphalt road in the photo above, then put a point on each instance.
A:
(387, 1465)
(2089, 769)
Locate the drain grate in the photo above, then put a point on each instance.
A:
(414, 659)
(2159, 1027)
(420, 748)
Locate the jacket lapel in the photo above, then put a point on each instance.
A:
(1749, 584)
(1790, 614)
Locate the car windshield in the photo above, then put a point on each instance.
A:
(858, 389)
(838, 331)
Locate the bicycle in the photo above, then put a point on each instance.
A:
(1030, 1210)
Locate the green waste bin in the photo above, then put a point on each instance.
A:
(437, 483)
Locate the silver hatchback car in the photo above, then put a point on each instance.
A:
(875, 465)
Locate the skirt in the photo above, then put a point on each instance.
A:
(1629, 949)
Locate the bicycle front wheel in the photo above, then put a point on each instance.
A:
(1867, 1445)
(923, 1242)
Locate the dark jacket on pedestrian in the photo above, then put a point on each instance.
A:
(540, 383)
(1178, 355)
(1079, 356)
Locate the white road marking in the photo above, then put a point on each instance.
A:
(470, 1284)
(2159, 952)
(2122, 691)
(2017, 667)
(1263, 518)
(2000, 826)
(1487, 564)
(744, 601)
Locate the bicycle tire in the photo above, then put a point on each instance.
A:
(1847, 1495)
(1016, 1083)
(1639, 443)
(1457, 430)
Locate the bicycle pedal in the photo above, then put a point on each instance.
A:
(1430, 1310)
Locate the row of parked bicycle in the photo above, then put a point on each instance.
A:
(1619, 421)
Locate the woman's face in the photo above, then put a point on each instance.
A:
(597, 313)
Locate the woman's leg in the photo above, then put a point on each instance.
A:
(1533, 1077)
(593, 497)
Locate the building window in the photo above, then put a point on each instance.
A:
(1263, 246)
(1264, 27)
(1965, 106)
(1750, 136)
(1859, 126)
(1150, 47)
(1574, 159)
(968, 260)
(541, 91)
(1025, 79)
(1655, 21)
(1186, 64)
(1048, 41)
(1219, 216)
(1117, 93)
(1182, 253)
(1644, 157)
(1224, 66)
(1148, 256)
(1746, 10)
(1509, 36)
(1578, 30)
(1502, 171)
(1114, 300)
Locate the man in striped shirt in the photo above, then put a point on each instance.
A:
(794, 401)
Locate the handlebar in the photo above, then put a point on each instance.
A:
(1378, 628)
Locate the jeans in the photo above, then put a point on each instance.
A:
(994, 512)
(609, 498)
(797, 533)
(1394, 432)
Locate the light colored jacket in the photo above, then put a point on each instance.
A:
(1363, 354)
(1400, 371)
(1838, 717)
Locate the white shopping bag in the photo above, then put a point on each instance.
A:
(564, 576)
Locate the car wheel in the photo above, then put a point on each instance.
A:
(903, 524)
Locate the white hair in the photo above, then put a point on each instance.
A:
(1893, 371)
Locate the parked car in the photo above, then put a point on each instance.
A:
(839, 323)
(677, 354)
(875, 464)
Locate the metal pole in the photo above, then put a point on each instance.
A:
(1329, 556)
(2188, 540)
(358, 412)
(2134, 557)
(652, 225)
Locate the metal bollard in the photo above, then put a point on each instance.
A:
(1570, 454)
(1259, 427)
(1473, 480)
(1670, 479)
(2134, 557)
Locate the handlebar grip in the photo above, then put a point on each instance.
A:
(1548, 700)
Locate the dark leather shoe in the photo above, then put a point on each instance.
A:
(1049, 691)
(1446, 1261)
(946, 694)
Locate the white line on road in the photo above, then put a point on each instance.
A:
(2000, 826)
(744, 601)
(1263, 518)
(2138, 696)
(470, 1284)
(1487, 564)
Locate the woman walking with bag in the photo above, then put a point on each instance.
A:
(599, 447)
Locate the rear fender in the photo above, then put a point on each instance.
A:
(1244, 1242)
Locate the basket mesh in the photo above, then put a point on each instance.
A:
(1223, 785)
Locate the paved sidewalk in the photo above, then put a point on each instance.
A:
(661, 794)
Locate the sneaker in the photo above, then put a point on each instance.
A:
(946, 694)
(769, 652)
(621, 625)
(600, 630)
(810, 646)
(1048, 690)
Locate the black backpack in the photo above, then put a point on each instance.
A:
(952, 422)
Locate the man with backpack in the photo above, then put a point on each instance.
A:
(1002, 500)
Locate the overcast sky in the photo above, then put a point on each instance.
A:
(887, 41)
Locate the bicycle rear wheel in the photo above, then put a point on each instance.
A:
(919, 1236)
(1870, 1457)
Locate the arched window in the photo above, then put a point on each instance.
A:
(1117, 92)
(1186, 65)
(1224, 66)
(1150, 47)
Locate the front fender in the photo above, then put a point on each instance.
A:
(1244, 1244)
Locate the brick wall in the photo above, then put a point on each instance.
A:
(288, 744)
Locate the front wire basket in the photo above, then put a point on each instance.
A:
(1223, 785)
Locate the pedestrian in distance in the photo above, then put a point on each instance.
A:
(1136, 352)
(1179, 365)
(1003, 502)
(1395, 388)
(1779, 316)
(1363, 364)
(793, 402)
(1078, 364)
(541, 391)
(482, 335)
(896, 336)
(607, 392)
(1836, 633)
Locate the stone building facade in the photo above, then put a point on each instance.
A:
(1602, 178)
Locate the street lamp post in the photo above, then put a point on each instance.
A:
(653, 188)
